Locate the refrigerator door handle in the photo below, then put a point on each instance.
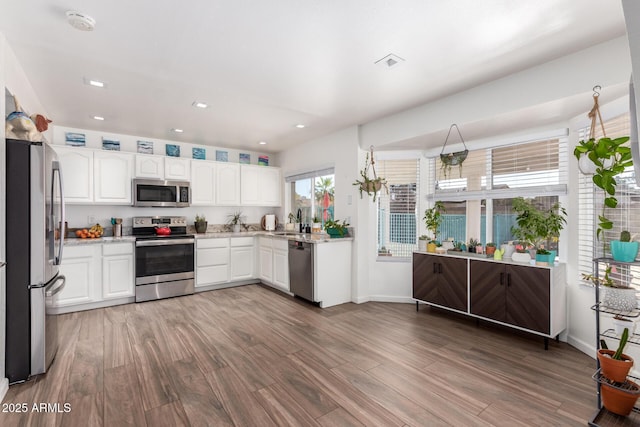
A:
(52, 290)
(56, 168)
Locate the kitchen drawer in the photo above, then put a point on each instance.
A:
(266, 242)
(281, 244)
(210, 275)
(212, 256)
(117, 249)
(213, 243)
(241, 241)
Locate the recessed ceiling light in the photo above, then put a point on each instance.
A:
(98, 118)
(199, 104)
(389, 61)
(300, 126)
(176, 130)
(80, 21)
(94, 83)
(262, 142)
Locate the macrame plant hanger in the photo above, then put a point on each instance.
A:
(453, 159)
(586, 166)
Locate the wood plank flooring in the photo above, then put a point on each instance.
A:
(251, 356)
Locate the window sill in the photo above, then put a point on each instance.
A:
(392, 259)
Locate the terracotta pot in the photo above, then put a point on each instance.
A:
(618, 401)
(615, 370)
(491, 250)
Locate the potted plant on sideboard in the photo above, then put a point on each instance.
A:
(432, 220)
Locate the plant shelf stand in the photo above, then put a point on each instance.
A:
(602, 417)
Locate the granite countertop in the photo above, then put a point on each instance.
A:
(74, 241)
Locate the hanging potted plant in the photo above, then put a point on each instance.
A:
(448, 160)
(432, 220)
(368, 184)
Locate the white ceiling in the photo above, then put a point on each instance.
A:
(265, 66)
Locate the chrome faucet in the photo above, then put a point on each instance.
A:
(300, 219)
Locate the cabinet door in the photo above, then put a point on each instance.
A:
(202, 183)
(117, 276)
(77, 173)
(81, 268)
(488, 283)
(528, 297)
(452, 283)
(228, 184)
(112, 177)
(425, 278)
(242, 263)
(177, 169)
(148, 166)
(249, 185)
(266, 264)
(281, 268)
(270, 186)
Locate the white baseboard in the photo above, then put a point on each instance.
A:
(4, 388)
(226, 285)
(389, 298)
(92, 305)
(587, 349)
(360, 300)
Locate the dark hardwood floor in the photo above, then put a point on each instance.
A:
(250, 356)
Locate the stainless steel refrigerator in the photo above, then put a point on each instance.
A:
(34, 241)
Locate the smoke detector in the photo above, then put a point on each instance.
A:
(80, 21)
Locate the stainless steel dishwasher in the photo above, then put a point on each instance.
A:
(301, 269)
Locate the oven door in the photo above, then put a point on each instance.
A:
(162, 260)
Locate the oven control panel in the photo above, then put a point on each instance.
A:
(152, 221)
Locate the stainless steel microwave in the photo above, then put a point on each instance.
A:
(161, 193)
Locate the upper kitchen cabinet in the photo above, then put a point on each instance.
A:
(112, 177)
(149, 166)
(77, 171)
(227, 184)
(260, 186)
(203, 175)
(177, 168)
(92, 176)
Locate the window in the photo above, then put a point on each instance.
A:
(313, 194)
(478, 196)
(398, 210)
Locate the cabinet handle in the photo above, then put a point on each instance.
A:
(439, 268)
(435, 267)
(501, 279)
(509, 279)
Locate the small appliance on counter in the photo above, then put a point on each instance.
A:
(270, 222)
(165, 257)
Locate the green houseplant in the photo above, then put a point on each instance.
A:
(235, 221)
(618, 294)
(201, 224)
(619, 395)
(432, 220)
(624, 250)
(336, 228)
(370, 185)
(537, 227)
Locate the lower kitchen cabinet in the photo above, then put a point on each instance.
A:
(212, 261)
(440, 280)
(242, 258)
(517, 295)
(118, 276)
(265, 259)
(281, 263)
(82, 268)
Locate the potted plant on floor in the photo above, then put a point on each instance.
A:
(201, 224)
(235, 221)
(432, 220)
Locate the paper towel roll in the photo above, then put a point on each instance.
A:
(270, 222)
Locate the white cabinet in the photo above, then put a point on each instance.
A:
(81, 267)
(77, 173)
(177, 168)
(212, 261)
(227, 183)
(203, 183)
(92, 176)
(281, 263)
(273, 259)
(265, 259)
(260, 186)
(242, 258)
(149, 166)
(112, 177)
(117, 270)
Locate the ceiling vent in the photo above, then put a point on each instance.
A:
(389, 61)
(80, 21)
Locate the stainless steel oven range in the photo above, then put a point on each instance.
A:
(165, 257)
